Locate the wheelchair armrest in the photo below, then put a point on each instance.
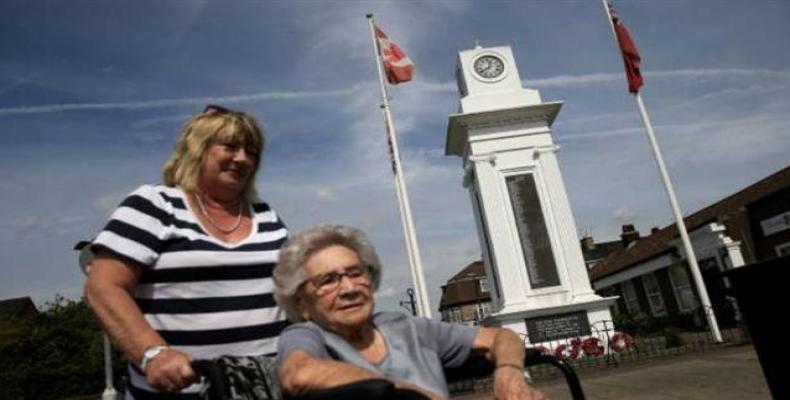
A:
(477, 367)
(361, 389)
(369, 389)
(372, 389)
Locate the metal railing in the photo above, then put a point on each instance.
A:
(609, 346)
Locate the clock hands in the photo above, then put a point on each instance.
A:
(489, 67)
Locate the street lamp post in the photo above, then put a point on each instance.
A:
(410, 304)
(86, 256)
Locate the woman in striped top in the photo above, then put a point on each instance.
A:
(183, 270)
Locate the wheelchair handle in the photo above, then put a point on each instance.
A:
(210, 371)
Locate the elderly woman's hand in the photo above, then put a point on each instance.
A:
(171, 371)
(509, 383)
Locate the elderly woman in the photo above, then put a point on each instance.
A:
(325, 278)
(183, 270)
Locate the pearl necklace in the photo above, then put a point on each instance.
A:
(213, 223)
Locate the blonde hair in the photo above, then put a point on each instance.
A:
(216, 125)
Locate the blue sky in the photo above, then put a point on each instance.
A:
(92, 95)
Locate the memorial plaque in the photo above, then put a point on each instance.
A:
(561, 326)
(534, 238)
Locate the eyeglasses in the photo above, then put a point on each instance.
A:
(330, 281)
(215, 109)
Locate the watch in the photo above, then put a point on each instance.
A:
(150, 353)
(489, 66)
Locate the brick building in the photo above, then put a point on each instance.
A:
(16, 309)
(465, 297)
(651, 274)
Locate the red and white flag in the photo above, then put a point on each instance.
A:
(398, 67)
(631, 57)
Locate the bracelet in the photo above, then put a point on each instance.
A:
(149, 354)
(506, 365)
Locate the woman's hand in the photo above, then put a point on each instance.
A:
(509, 383)
(170, 371)
(504, 348)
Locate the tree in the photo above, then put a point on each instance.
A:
(55, 354)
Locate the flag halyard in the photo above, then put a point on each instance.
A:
(390, 149)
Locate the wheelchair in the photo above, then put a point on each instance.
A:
(476, 367)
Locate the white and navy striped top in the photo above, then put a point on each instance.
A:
(203, 296)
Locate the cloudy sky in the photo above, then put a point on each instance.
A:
(93, 93)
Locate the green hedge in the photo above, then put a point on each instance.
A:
(55, 354)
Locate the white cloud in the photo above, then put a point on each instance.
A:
(104, 205)
(40, 225)
(601, 134)
(623, 215)
(325, 194)
(419, 87)
(571, 80)
(717, 73)
(342, 28)
(422, 85)
(702, 73)
(17, 82)
(149, 122)
(386, 292)
(189, 101)
(29, 224)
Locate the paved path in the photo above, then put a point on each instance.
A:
(729, 373)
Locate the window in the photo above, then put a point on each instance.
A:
(468, 313)
(456, 315)
(684, 293)
(653, 292)
(615, 309)
(483, 282)
(611, 291)
(630, 298)
(783, 249)
(709, 263)
(450, 315)
(483, 310)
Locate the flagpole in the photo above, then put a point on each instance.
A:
(423, 305)
(690, 256)
(609, 18)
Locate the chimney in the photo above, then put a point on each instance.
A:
(588, 243)
(629, 235)
(654, 230)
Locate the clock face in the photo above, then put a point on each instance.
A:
(489, 67)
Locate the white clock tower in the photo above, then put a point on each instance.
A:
(539, 283)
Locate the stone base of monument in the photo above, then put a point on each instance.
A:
(550, 326)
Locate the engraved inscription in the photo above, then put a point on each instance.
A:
(542, 329)
(532, 232)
